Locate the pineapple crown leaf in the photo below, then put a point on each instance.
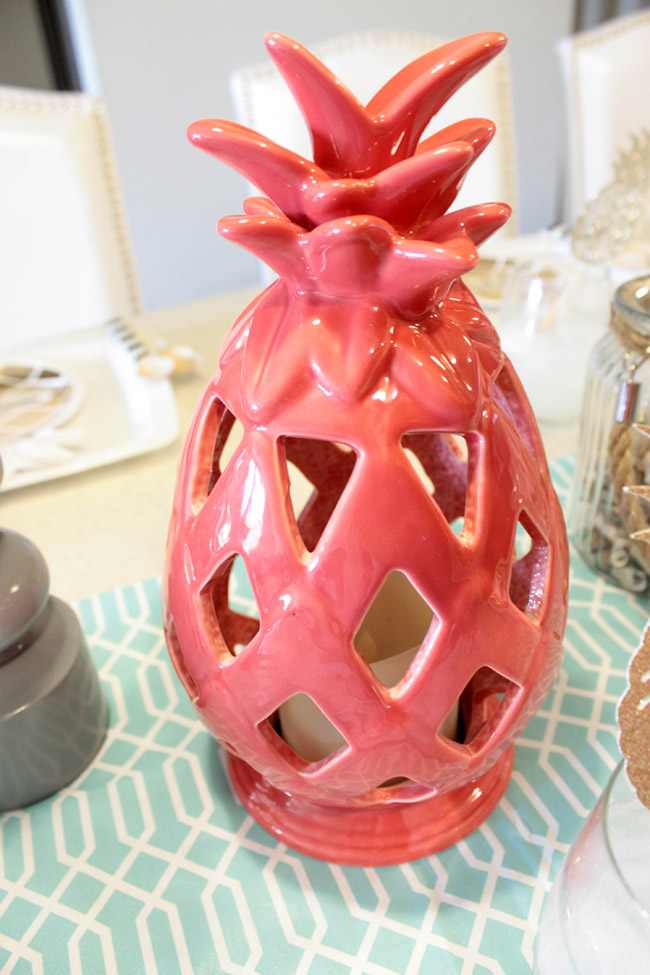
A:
(281, 174)
(260, 206)
(409, 194)
(476, 222)
(350, 140)
(353, 256)
(476, 132)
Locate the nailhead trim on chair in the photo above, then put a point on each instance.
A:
(24, 100)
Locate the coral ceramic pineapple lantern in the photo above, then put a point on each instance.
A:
(410, 611)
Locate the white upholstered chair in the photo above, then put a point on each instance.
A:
(364, 62)
(65, 257)
(607, 83)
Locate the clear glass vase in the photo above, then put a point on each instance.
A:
(613, 453)
(596, 920)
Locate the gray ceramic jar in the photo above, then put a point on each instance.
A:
(52, 711)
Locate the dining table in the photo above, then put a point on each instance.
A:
(148, 863)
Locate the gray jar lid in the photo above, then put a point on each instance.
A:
(24, 591)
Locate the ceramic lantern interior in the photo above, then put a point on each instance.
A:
(366, 462)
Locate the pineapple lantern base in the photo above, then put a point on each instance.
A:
(376, 835)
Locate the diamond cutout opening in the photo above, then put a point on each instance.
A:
(229, 607)
(442, 461)
(479, 709)
(317, 473)
(178, 661)
(529, 567)
(416, 463)
(301, 490)
(523, 542)
(228, 433)
(507, 398)
(304, 730)
(457, 526)
(269, 730)
(396, 784)
(458, 444)
(394, 628)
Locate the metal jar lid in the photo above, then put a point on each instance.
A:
(631, 313)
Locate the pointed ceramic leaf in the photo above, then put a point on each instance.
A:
(281, 174)
(403, 193)
(261, 206)
(474, 132)
(340, 127)
(424, 355)
(415, 94)
(349, 361)
(274, 239)
(350, 140)
(475, 222)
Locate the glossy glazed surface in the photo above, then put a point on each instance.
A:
(373, 835)
(370, 368)
(53, 715)
(24, 591)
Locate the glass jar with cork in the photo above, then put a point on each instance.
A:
(610, 510)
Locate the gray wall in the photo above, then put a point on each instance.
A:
(24, 59)
(161, 64)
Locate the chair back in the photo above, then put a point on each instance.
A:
(607, 83)
(65, 257)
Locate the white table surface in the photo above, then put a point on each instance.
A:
(107, 527)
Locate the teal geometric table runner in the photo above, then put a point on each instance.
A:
(147, 863)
